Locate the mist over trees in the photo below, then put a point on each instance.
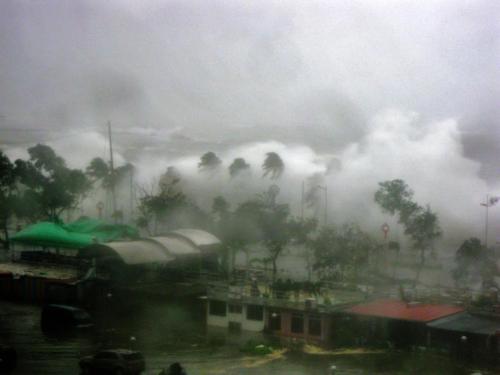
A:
(43, 187)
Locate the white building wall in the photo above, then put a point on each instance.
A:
(217, 321)
(246, 324)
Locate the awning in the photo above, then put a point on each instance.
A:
(198, 237)
(132, 252)
(467, 323)
(176, 246)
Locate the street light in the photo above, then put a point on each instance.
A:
(490, 201)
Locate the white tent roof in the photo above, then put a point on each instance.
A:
(140, 252)
(197, 236)
(176, 246)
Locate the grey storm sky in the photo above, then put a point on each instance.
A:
(229, 72)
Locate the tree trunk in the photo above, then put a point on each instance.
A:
(6, 235)
(420, 267)
(275, 268)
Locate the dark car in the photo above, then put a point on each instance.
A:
(8, 359)
(115, 361)
(64, 317)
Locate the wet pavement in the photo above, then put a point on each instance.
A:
(175, 332)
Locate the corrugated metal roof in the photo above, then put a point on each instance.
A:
(197, 236)
(139, 252)
(400, 310)
(467, 323)
(176, 246)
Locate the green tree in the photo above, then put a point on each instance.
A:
(267, 221)
(273, 165)
(341, 252)
(420, 224)
(161, 207)
(473, 261)
(8, 195)
(50, 186)
(238, 166)
(302, 232)
(166, 207)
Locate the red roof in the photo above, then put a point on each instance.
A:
(393, 309)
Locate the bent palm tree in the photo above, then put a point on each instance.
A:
(273, 165)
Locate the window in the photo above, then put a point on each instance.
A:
(275, 321)
(217, 308)
(314, 325)
(235, 309)
(297, 323)
(255, 312)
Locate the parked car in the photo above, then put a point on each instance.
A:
(8, 358)
(113, 361)
(64, 317)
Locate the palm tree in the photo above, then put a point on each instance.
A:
(273, 165)
(209, 162)
(237, 166)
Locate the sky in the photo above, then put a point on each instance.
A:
(378, 89)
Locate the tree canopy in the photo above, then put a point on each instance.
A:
(420, 224)
(51, 187)
(340, 252)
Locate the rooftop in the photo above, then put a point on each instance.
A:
(400, 310)
(468, 323)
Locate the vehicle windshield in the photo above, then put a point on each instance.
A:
(250, 186)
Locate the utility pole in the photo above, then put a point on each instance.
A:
(112, 167)
(302, 201)
(131, 195)
(486, 222)
(490, 201)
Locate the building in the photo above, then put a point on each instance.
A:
(303, 317)
(474, 336)
(399, 322)
(64, 263)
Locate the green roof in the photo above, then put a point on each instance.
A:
(49, 234)
(102, 231)
(75, 235)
